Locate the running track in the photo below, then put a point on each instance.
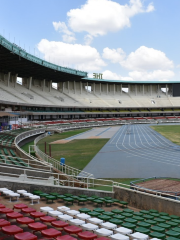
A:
(136, 151)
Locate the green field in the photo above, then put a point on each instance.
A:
(171, 132)
(78, 153)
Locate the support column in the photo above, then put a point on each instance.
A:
(74, 87)
(151, 89)
(114, 89)
(94, 89)
(50, 85)
(136, 90)
(129, 90)
(87, 87)
(30, 83)
(143, 89)
(121, 89)
(15, 80)
(158, 89)
(63, 87)
(100, 88)
(8, 78)
(81, 87)
(68, 86)
(43, 84)
(166, 90)
(107, 88)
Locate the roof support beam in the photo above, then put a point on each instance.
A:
(30, 83)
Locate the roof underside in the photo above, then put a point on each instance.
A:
(17, 61)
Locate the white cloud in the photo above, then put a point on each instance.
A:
(68, 36)
(114, 76)
(148, 59)
(88, 39)
(152, 75)
(114, 55)
(80, 56)
(98, 17)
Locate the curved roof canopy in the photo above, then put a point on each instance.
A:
(17, 61)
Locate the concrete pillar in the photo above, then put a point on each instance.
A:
(143, 89)
(8, 78)
(94, 88)
(81, 87)
(121, 89)
(87, 87)
(114, 89)
(166, 90)
(15, 80)
(74, 87)
(50, 85)
(107, 89)
(30, 83)
(158, 89)
(43, 84)
(63, 87)
(100, 88)
(135, 89)
(68, 86)
(151, 89)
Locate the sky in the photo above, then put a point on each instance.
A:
(123, 39)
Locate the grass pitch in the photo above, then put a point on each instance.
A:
(171, 132)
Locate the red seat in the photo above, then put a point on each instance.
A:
(25, 236)
(4, 223)
(37, 214)
(66, 237)
(11, 230)
(14, 215)
(20, 206)
(5, 210)
(24, 220)
(28, 210)
(37, 226)
(87, 235)
(59, 224)
(72, 229)
(47, 219)
(2, 206)
(51, 232)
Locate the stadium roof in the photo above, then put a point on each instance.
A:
(129, 81)
(16, 60)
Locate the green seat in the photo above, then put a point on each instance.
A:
(83, 196)
(144, 224)
(61, 197)
(131, 220)
(153, 211)
(144, 212)
(90, 199)
(127, 214)
(99, 210)
(173, 224)
(84, 210)
(69, 200)
(172, 238)
(128, 210)
(152, 222)
(174, 217)
(115, 221)
(108, 202)
(22, 162)
(99, 202)
(104, 217)
(120, 217)
(76, 198)
(155, 214)
(176, 220)
(171, 233)
(142, 230)
(94, 214)
(68, 194)
(108, 214)
(116, 211)
(94, 196)
(123, 203)
(176, 229)
(50, 197)
(139, 219)
(108, 198)
(147, 216)
(43, 195)
(37, 192)
(82, 200)
(157, 235)
(164, 214)
(138, 214)
(160, 220)
(166, 218)
(102, 199)
(115, 200)
(164, 225)
(158, 229)
(129, 225)
(54, 194)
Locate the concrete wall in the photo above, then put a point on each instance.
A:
(146, 201)
(30, 187)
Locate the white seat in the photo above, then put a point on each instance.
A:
(14, 195)
(54, 213)
(21, 191)
(123, 230)
(139, 236)
(4, 189)
(108, 225)
(72, 212)
(46, 209)
(63, 209)
(104, 232)
(155, 239)
(95, 220)
(6, 192)
(119, 236)
(89, 227)
(65, 217)
(34, 197)
(76, 222)
(27, 194)
(83, 216)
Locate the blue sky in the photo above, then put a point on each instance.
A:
(123, 39)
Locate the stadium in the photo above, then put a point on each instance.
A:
(87, 158)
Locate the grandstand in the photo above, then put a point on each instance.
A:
(34, 108)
